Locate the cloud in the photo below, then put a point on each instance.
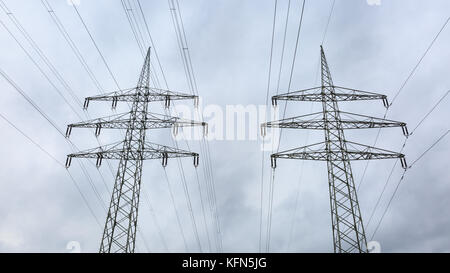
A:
(367, 48)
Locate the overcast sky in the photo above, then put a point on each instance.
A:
(369, 47)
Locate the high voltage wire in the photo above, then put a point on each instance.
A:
(271, 189)
(402, 178)
(47, 118)
(53, 158)
(194, 90)
(138, 34)
(283, 46)
(180, 226)
(270, 209)
(292, 66)
(203, 211)
(30, 101)
(95, 44)
(31, 140)
(106, 65)
(51, 122)
(37, 49)
(82, 60)
(420, 61)
(267, 102)
(429, 112)
(204, 147)
(128, 11)
(52, 69)
(189, 204)
(328, 22)
(152, 43)
(40, 69)
(147, 200)
(403, 147)
(46, 61)
(291, 232)
(71, 43)
(410, 76)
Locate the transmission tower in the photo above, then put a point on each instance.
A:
(346, 221)
(119, 233)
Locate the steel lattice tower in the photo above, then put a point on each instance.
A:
(121, 222)
(346, 219)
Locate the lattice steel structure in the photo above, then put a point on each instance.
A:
(346, 220)
(121, 222)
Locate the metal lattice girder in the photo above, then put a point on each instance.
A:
(122, 121)
(141, 94)
(340, 94)
(119, 233)
(316, 121)
(119, 151)
(354, 151)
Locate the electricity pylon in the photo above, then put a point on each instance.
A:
(119, 233)
(346, 221)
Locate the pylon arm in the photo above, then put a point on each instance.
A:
(124, 121)
(142, 94)
(119, 151)
(316, 121)
(353, 151)
(340, 94)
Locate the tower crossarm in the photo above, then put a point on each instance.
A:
(124, 121)
(354, 151)
(141, 94)
(118, 152)
(340, 94)
(348, 120)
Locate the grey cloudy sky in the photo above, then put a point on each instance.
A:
(369, 47)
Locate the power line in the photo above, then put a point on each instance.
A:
(292, 67)
(71, 43)
(203, 211)
(270, 210)
(180, 226)
(104, 62)
(95, 44)
(38, 50)
(53, 124)
(402, 178)
(180, 165)
(427, 150)
(283, 46)
(403, 147)
(420, 61)
(41, 70)
(410, 76)
(158, 227)
(190, 77)
(152, 43)
(269, 225)
(431, 111)
(328, 22)
(30, 101)
(63, 82)
(54, 159)
(134, 25)
(263, 144)
(291, 232)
